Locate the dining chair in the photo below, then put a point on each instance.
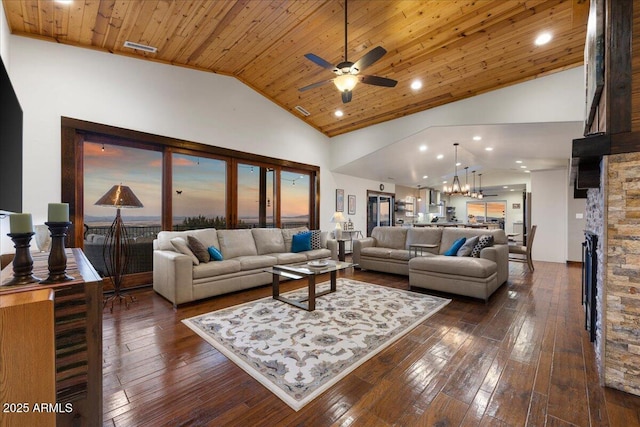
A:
(523, 252)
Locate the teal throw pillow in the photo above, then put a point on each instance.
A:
(215, 254)
(453, 250)
(301, 242)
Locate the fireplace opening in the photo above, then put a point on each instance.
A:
(589, 282)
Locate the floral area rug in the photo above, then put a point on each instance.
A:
(298, 354)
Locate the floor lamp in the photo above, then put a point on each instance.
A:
(116, 247)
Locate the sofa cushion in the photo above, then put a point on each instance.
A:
(268, 240)
(453, 250)
(301, 242)
(317, 253)
(287, 235)
(483, 242)
(456, 266)
(465, 250)
(211, 269)
(289, 257)
(235, 243)
(180, 245)
(400, 254)
(256, 261)
(376, 252)
(390, 237)
(425, 236)
(208, 236)
(198, 249)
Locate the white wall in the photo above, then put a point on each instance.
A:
(549, 193)
(550, 98)
(54, 80)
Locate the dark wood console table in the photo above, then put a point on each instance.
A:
(78, 336)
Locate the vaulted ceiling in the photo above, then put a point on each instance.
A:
(458, 49)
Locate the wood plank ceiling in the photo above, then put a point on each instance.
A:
(457, 48)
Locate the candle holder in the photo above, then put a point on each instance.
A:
(22, 261)
(57, 255)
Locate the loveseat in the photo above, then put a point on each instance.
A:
(389, 249)
(239, 259)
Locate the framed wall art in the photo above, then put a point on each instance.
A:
(339, 200)
(351, 203)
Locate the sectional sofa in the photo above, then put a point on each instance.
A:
(390, 249)
(242, 256)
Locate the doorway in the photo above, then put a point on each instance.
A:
(379, 210)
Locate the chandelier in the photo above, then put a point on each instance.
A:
(454, 189)
(476, 194)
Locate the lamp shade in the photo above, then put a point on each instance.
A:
(345, 82)
(119, 196)
(338, 217)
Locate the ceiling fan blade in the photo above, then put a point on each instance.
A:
(369, 58)
(319, 61)
(315, 85)
(346, 96)
(379, 81)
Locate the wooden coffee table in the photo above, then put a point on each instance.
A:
(300, 271)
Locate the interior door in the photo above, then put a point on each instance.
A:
(379, 211)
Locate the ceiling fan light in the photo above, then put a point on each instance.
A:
(345, 82)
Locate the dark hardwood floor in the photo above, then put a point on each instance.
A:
(524, 359)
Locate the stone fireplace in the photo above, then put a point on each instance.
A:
(613, 214)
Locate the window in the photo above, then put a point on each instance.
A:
(182, 185)
(106, 165)
(295, 188)
(199, 198)
(487, 212)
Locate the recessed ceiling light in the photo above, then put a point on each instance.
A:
(458, 164)
(339, 113)
(543, 38)
(64, 1)
(512, 189)
(523, 167)
(425, 177)
(416, 84)
(528, 171)
(444, 182)
(489, 149)
(423, 148)
(477, 138)
(518, 161)
(504, 186)
(440, 156)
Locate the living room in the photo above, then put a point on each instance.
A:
(220, 111)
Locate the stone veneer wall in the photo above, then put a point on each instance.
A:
(622, 333)
(595, 220)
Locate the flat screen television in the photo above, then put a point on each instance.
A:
(10, 146)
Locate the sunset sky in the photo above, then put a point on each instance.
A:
(198, 183)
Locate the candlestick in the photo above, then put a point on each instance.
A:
(20, 223)
(57, 255)
(58, 212)
(22, 261)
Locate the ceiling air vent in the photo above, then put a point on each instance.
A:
(303, 111)
(138, 46)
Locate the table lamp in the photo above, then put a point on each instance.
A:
(338, 218)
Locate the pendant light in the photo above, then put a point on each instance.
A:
(454, 189)
(480, 196)
(474, 193)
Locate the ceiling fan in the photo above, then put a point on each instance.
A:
(348, 72)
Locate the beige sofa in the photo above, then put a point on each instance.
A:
(246, 254)
(389, 250)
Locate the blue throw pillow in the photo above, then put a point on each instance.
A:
(453, 250)
(301, 242)
(215, 253)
